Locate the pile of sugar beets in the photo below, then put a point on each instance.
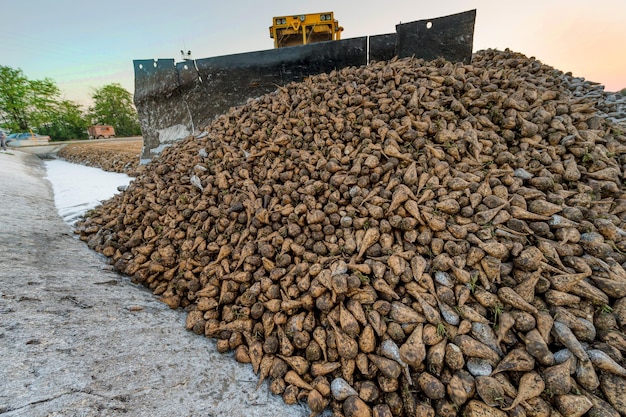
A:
(407, 238)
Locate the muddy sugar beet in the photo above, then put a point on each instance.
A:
(406, 238)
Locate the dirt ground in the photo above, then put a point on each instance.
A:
(110, 155)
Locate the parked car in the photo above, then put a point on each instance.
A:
(26, 138)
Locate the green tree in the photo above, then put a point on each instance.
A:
(35, 105)
(43, 98)
(14, 89)
(113, 105)
(68, 122)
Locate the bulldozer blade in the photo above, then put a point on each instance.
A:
(175, 100)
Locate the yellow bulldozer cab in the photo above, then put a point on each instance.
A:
(304, 28)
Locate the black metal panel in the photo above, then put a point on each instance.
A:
(226, 81)
(174, 100)
(450, 37)
(153, 76)
(383, 47)
(157, 100)
(231, 79)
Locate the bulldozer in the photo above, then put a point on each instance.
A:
(177, 99)
(304, 29)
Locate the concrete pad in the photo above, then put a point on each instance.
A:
(77, 339)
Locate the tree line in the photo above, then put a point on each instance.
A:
(36, 105)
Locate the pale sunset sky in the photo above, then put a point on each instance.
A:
(83, 45)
